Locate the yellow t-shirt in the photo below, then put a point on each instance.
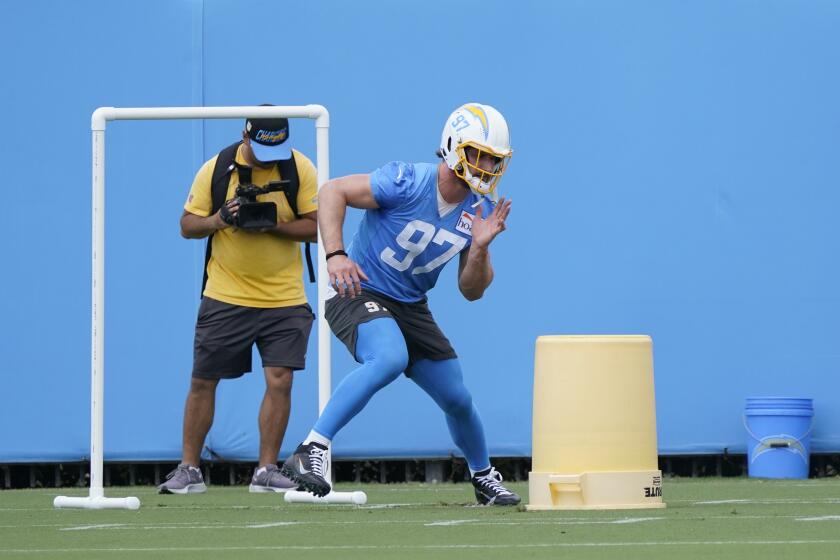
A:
(255, 269)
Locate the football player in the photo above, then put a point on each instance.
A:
(418, 217)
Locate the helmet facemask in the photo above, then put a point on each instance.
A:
(481, 181)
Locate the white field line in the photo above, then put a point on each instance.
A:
(286, 547)
(267, 525)
(89, 527)
(435, 523)
(277, 506)
(716, 502)
(792, 501)
(124, 527)
(475, 522)
(566, 523)
(172, 524)
(450, 523)
(283, 507)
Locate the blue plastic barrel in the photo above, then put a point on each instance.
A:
(779, 431)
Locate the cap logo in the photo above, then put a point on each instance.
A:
(271, 136)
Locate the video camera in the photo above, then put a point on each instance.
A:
(253, 214)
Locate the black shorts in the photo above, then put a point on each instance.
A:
(423, 337)
(226, 333)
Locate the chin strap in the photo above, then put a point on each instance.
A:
(493, 200)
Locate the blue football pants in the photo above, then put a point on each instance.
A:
(381, 349)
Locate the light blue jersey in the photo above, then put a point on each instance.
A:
(403, 245)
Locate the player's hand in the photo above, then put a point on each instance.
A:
(345, 276)
(485, 230)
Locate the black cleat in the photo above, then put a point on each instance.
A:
(307, 466)
(489, 490)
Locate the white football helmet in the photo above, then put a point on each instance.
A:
(484, 129)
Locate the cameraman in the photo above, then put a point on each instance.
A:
(254, 294)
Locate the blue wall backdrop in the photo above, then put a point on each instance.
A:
(675, 174)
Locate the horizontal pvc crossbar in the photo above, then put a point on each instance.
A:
(104, 114)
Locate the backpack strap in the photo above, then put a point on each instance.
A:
(288, 171)
(225, 164)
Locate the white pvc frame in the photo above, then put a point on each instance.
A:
(96, 499)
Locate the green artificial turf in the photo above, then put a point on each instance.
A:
(706, 518)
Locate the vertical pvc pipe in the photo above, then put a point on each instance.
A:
(322, 143)
(322, 154)
(97, 335)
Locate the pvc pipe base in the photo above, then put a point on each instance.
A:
(297, 497)
(96, 502)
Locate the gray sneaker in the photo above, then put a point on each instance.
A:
(269, 479)
(185, 479)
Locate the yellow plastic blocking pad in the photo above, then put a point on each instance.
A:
(594, 427)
